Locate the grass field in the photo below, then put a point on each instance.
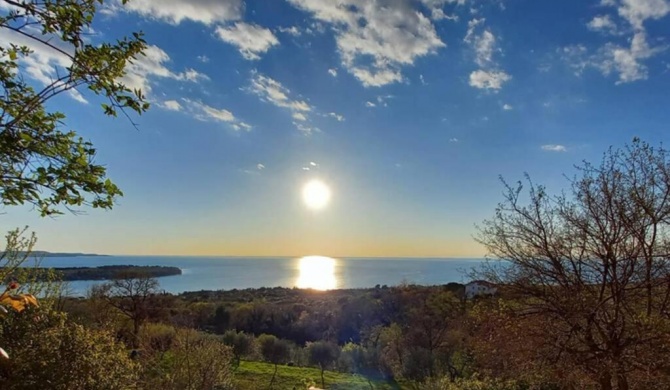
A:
(257, 375)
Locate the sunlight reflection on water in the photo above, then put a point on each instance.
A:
(317, 272)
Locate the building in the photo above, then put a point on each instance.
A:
(479, 288)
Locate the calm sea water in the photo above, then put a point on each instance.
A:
(224, 273)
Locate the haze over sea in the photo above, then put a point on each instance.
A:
(224, 273)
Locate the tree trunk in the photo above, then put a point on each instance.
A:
(323, 381)
(136, 333)
(605, 381)
(272, 381)
(622, 382)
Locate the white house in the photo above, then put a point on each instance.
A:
(479, 288)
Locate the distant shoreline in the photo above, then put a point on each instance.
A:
(105, 272)
(57, 254)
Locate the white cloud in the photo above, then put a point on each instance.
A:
(636, 12)
(423, 81)
(271, 91)
(206, 113)
(436, 11)
(306, 129)
(507, 107)
(333, 72)
(299, 116)
(554, 148)
(626, 61)
(602, 23)
(382, 100)
(171, 105)
(203, 58)
(176, 11)
(252, 40)
(454, 140)
(339, 117)
(260, 166)
(44, 63)
(293, 30)
(376, 39)
(153, 65)
(490, 80)
(370, 104)
(483, 44)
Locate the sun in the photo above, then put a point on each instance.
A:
(316, 194)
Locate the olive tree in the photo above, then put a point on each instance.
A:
(588, 269)
(323, 354)
(275, 351)
(41, 162)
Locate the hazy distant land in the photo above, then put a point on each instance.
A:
(105, 272)
(58, 254)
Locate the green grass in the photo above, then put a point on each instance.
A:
(257, 375)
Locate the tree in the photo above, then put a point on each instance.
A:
(132, 294)
(193, 361)
(20, 265)
(588, 272)
(241, 344)
(322, 354)
(40, 163)
(275, 351)
(47, 350)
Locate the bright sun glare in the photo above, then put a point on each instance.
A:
(317, 272)
(316, 194)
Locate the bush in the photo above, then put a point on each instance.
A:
(46, 348)
(194, 362)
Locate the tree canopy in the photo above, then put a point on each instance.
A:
(590, 270)
(41, 162)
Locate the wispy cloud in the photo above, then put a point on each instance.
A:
(251, 40)
(293, 31)
(339, 117)
(171, 105)
(272, 91)
(484, 45)
(554, 148)
(507, 107)
(177, 11)
(206, 113)
(626, 60)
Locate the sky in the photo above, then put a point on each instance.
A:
(408, 110)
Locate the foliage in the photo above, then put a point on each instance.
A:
(18, 265)
(186, 360)
(274, 350)
(587, 272)
(472, 384)
(46, 348)
(323, 354)
(240, 343)
(250, 374)
(40, 163)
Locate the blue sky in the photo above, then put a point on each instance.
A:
(408, 110)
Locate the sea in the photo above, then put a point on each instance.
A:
(317, 272)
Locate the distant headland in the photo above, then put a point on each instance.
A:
(105, 272)
(60, 254)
